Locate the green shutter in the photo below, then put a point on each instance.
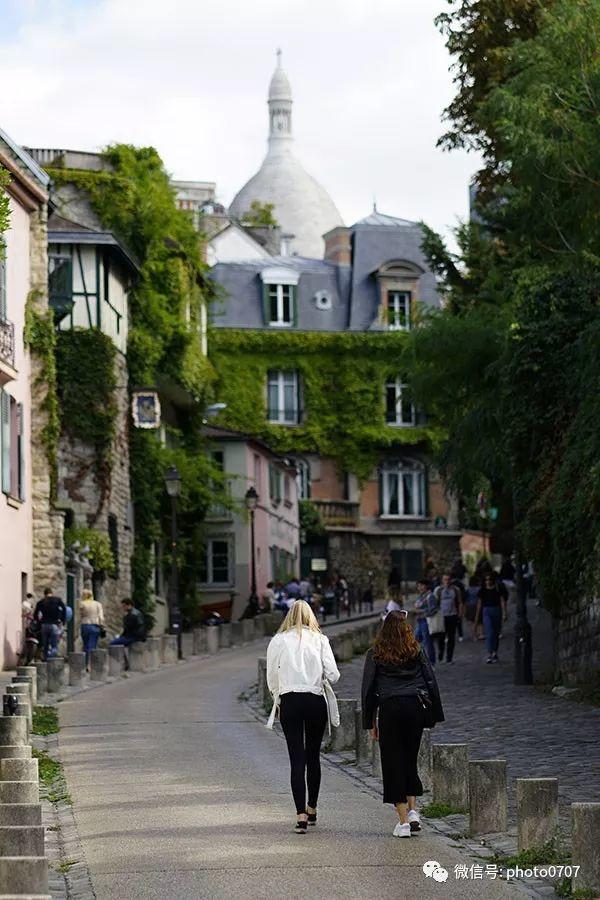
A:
(21, 448)
(266, 304)
(5, 440)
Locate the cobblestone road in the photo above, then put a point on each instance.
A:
(537, 733)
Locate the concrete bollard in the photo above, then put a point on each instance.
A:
(23, 708)
(19, 770)
(248, 632)
(98, 665)
(377, 773)
(585, 841)
(76, 669)
(116, 659)
(41, 669)
(137, 656)
(424, 760)
(259, 626)
(56, 675)
(198, 641)
(26, 875)
(30, 672)
(450, 768)
(362, 739)
(537, 812)
(237, 633)
(225, 634)
(335, 642)
(13, 730)
(19, 792)
(14, 814)
(21, 690)
(264, 694)
(212, 638)
(21, 840)
(488, 799)
(31, 682)
(153, 653)
(346, 647)
(168, 649)
(15, 751)
(343, 738)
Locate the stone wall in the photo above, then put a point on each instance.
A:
(48, 552)
(79, 491)
(577, 642)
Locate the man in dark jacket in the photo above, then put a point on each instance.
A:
(51, 613)
(134, 627)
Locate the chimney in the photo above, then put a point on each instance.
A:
(338, 246)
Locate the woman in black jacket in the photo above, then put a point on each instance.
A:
(399, 684)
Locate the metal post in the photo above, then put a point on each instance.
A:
(174, 611)
(253, 600)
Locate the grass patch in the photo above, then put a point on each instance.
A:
(564, 888)
(457, 836)
(549, 854)
(45, 720)
(64, 865)
(50, 769)
(440, 810)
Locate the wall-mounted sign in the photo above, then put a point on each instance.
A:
(318, 565)
(145, 409)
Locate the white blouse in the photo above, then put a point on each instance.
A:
(299, 662)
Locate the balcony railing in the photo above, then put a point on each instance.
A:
(7, 342)
(340, 513)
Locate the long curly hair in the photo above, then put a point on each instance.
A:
(395, 643)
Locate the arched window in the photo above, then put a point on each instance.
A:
(402, 488)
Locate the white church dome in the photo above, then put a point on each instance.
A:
(303, 208)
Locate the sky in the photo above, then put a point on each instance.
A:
(370, 79)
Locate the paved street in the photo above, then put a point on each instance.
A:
(179, 793)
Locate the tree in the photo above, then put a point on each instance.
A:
(4, 202)
(260, 215)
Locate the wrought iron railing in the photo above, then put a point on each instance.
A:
(7, 342)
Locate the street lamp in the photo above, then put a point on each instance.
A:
(173, 487)
(251, 499)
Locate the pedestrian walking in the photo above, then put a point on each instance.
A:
(400, 698)
(448, 598)
(300, 670)
(425, 606)
(470, 605)
(342, 595)
(492, 610)
(91, 618)
(50, 612)
(30, 631)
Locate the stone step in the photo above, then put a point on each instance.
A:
(19, 792)
(24, 874)
(20, 814)
(21, 840)
(15, 751)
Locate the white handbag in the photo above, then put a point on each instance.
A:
(333, 712)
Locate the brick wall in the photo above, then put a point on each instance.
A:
(577, 641)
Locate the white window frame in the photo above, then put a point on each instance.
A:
(397, 471)
(276, 292)
(399, 386)
(398, 310)
(280, 379)
(208, 542)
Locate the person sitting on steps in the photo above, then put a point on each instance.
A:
(134, 627)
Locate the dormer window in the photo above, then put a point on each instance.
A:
(398, 310)
(399, 291)
(280, 286)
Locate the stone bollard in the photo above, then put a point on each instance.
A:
(362, 739)
(259, 626)
(98, 665)
(23, 707)
(212, 638)
(56, 675)
(168, 649)
(19, 770)
(137, 656)
(335, 642)
(21, 690)
(248, 633)
(42, 678)
(14, 814)
(488, 799)
(264, 694)
(450, 767)
(237, 633)
(76, 669)
(377, 773)
(343, 738)
(31, 683)
(116, 659)
(424, 760)
(20, 840)
(19, 792)
(585, 841)
(26, 875)
(346, 647)
(15, 751)
(225, 634)
(29, 672)
(13, 730)
(198, 641)
(537, 812)
(153, 653)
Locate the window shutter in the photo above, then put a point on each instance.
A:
(266, 304)
(380, 482)
(5, 440)
(299, 392)
(426, 491)
(294, 301)
(21, 448)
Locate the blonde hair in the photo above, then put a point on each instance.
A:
(300, 614)
(86, 594)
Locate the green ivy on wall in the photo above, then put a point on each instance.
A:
(40, 339)
(100, 554)
(4, 203)
(343, 378)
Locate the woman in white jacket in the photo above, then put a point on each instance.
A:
(299, 658)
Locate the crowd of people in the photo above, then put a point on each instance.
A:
(326, 595)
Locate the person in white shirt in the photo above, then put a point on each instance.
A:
(299, 659)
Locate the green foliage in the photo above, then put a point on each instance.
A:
(86, 383)
(100, 555)
(343, 377)
(548, 854)
(45, 720)
(40, 338)
(49, 769)
(310, 518)
(4, 204)
(439, 810)
(260, 215)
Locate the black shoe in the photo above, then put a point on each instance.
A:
(301, 827)
(312, 818)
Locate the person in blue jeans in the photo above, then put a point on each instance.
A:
(492, 611)
(134, 627)
(425, 605)
(51, 613)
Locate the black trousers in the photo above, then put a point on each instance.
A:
(401, 723)
(303, 719)
(448, 637)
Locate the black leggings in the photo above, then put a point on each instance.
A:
(303, 719)
(401, 722)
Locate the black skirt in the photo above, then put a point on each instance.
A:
(401, 723)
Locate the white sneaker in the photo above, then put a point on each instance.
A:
(402, 831)
(414, 820)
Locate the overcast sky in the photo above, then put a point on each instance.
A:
(369, 77)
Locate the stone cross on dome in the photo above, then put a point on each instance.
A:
(280, 104)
